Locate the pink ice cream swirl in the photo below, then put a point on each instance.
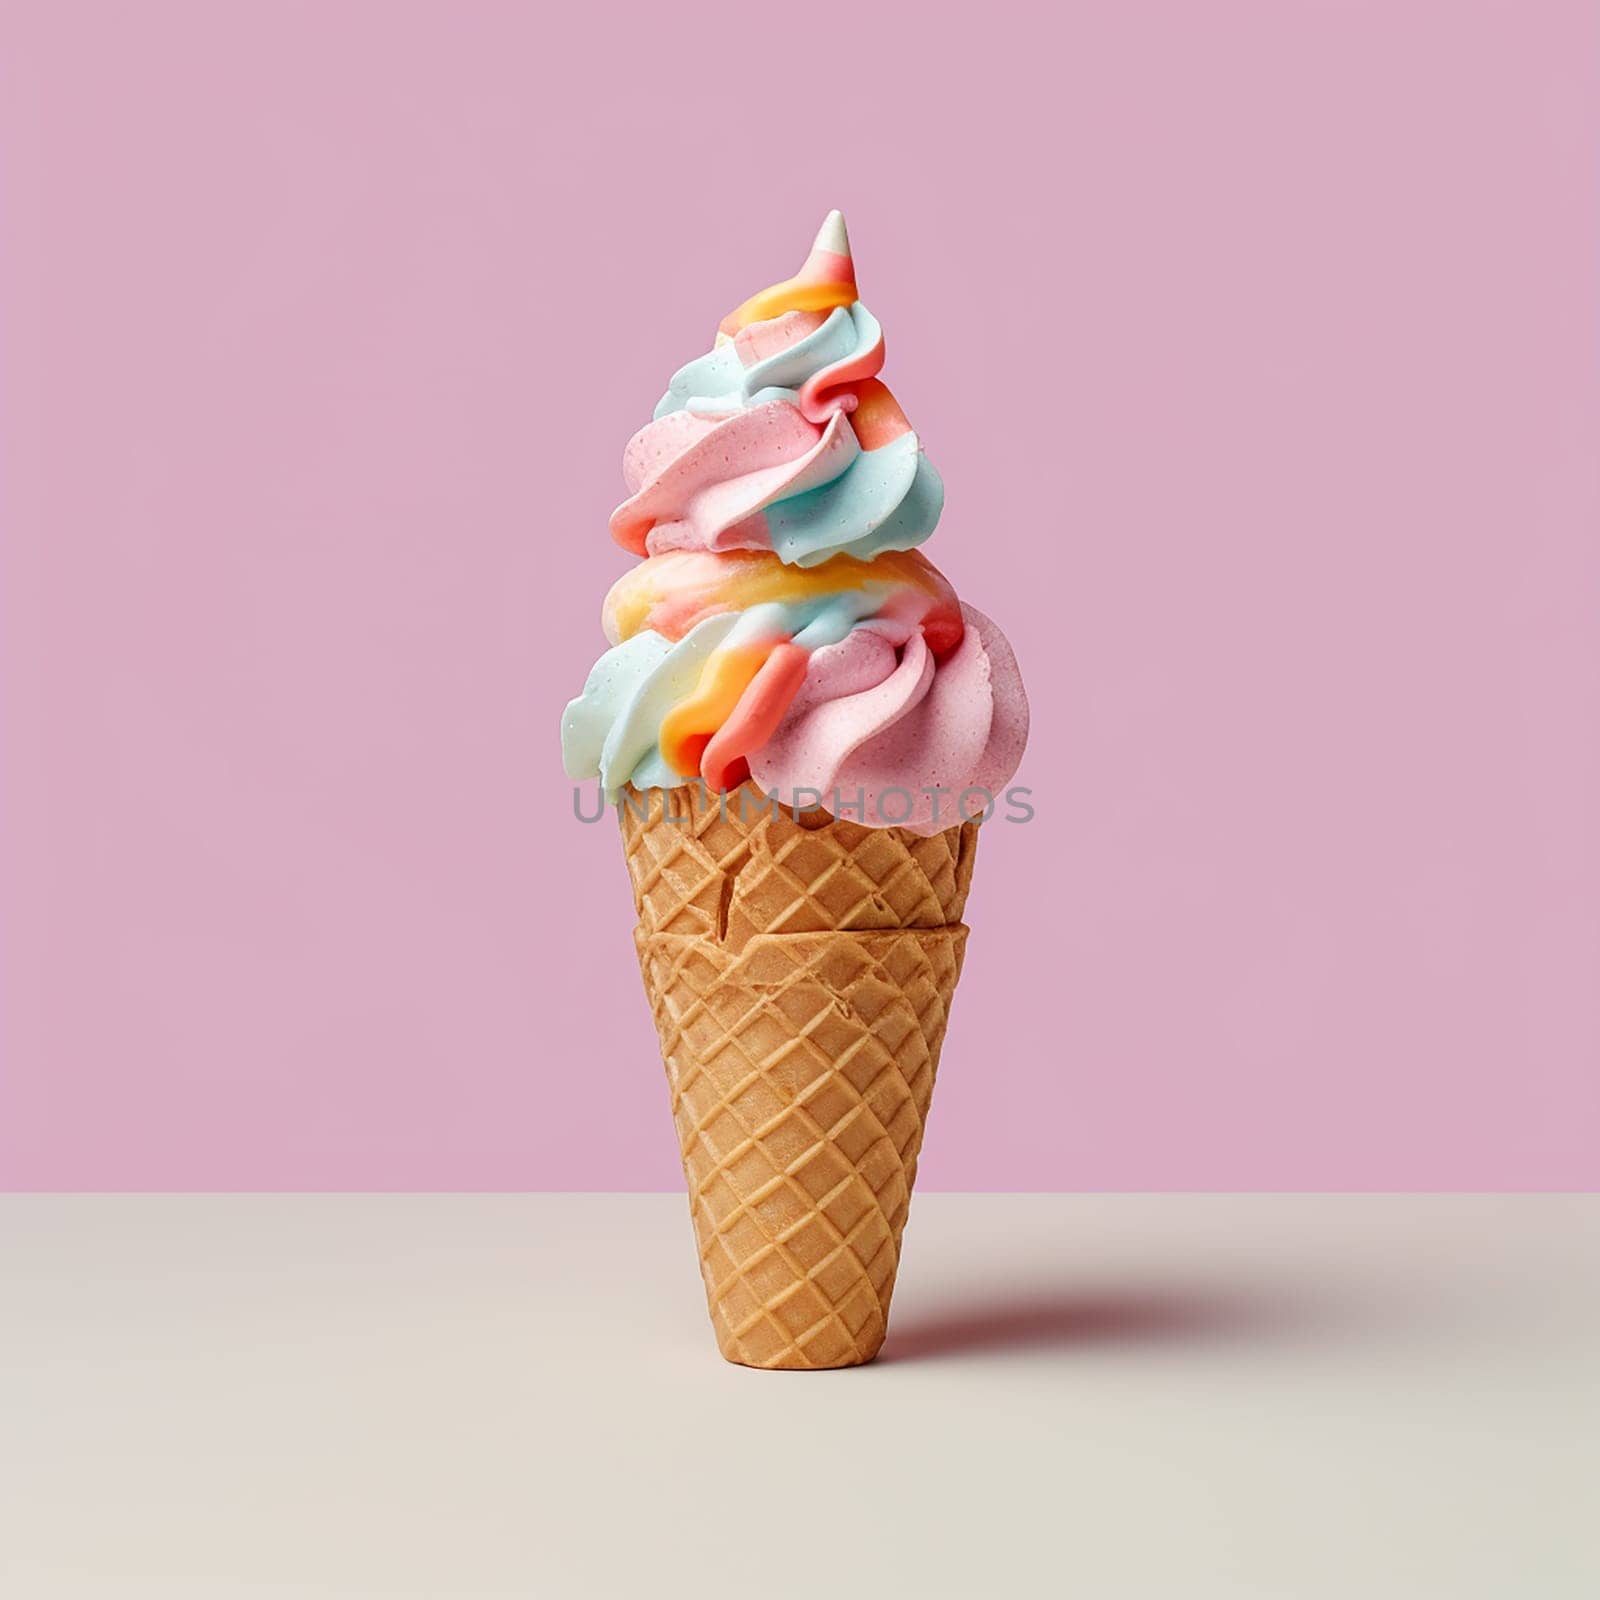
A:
(883, 732)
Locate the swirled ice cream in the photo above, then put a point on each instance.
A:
(782, 625)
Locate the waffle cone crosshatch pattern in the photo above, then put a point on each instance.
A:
(729, 866)
(800, 978)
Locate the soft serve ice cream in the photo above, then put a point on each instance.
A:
(782, 625)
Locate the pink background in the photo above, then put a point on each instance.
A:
(1257, 344)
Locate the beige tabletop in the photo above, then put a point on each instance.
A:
(1168, 1396)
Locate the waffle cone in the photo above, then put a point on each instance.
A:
(800, 972)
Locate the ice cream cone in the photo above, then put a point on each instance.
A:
(800, 972)
(783, 626)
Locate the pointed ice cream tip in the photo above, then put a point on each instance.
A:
(827, 280)
(831, 236)
(829, 261)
